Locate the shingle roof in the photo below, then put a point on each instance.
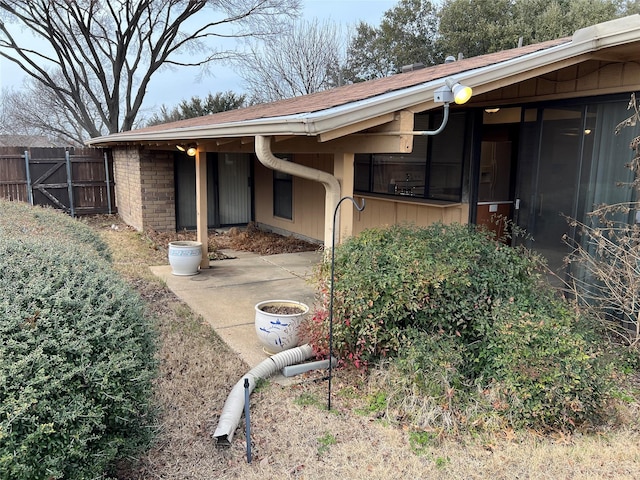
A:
(332, 110)
(335, 97)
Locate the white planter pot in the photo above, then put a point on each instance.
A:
(185, 257)
(279, 331)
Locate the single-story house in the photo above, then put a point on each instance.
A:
(535, 142)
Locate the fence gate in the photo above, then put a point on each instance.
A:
(76, 180)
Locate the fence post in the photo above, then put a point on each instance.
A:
(69, 183)
(29, 189)
(106, 175)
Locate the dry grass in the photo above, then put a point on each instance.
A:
(294, 436)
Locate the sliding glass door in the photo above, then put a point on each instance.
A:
(569, 162)
(552, 186)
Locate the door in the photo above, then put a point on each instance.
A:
(234, 188)
(494, 206)
(185, 184)
(549, 177)
(228, 190)
(495, 198)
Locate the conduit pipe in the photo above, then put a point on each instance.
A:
(233, 407)
(331, 184)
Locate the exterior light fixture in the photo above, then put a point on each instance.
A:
(451, 91)
(492, 110)
(192, 150)
(461, 93)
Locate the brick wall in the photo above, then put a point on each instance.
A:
(145, 189)
(158, 190)
(126, 173)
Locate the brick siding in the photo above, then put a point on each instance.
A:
(145, 188)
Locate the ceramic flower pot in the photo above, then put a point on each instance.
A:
(185, 257)
(277, 323)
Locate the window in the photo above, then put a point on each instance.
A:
(432, 171)
(446, 161)
(282, 195)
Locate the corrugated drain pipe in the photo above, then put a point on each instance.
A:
(331, 184)
(232, 410)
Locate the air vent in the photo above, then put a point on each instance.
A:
(412, 67)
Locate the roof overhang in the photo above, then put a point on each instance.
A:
(585, 42)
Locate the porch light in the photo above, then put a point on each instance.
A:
(461, 93)
(451, 91)
(192, 150)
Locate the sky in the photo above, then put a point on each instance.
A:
(169, 87)
(222, 78)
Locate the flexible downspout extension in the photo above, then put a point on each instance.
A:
(331, 184)
(233, 407)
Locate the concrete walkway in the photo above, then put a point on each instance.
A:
(226, 293)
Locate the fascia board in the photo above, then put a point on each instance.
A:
(611, 33)
(307, 124)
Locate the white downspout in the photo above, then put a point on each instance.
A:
(232, 410)
(331, 184)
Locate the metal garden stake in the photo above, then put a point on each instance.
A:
(333, 256)
(247, 419)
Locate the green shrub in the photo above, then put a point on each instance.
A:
(435, 279)
(76, 362)
(20, 219)
(469, 325)
(544, 373)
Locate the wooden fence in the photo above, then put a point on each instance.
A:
(76, 180)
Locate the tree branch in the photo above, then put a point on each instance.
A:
(104, 54)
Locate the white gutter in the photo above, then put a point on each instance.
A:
(331, 184)
(586, 40)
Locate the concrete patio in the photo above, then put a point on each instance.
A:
(226, 293)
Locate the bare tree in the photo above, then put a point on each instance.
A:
(99, 56)
(37, 110)
(304, 60)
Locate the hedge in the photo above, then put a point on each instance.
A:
(77, 358)
(461, 313)
(21, 220)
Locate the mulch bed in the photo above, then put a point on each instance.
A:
(249, 239)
